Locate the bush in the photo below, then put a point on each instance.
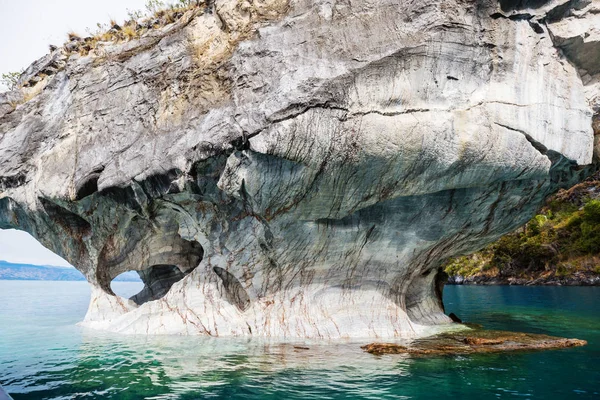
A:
(562, 270)
(11, 79)
(536, 224)
(591, 212)
(467, 265)
(153, 6)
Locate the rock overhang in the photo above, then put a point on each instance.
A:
(306, 175)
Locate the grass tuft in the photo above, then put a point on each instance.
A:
(73, 36)
(157, 14)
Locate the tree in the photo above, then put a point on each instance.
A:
(10, 79)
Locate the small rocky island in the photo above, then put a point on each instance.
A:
(296, 168)
(472, 342)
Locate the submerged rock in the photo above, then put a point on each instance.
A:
(477, 341)
(298, 168)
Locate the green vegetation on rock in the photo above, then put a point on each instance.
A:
(10, 79)
(562, 241)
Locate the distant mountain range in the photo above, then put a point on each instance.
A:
(28, 272)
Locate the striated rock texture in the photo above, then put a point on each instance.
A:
(299, 168)
(476, 341)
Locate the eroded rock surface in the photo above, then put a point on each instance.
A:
(299, 168)
(477, 341)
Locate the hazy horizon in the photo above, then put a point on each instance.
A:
(35, 265)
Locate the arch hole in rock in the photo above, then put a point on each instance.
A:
(152, 283)
(127, 284)
(160, 261)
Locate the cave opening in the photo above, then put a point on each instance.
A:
(127, 284)
(150, 284)
(158, 280)
(164, 259)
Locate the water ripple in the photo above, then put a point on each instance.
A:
(43, 355)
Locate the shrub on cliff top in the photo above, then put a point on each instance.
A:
(10, 79)
(157, 13)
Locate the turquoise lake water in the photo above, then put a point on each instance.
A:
(44, 355)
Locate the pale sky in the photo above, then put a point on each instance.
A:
(27, 27)
(19, 247)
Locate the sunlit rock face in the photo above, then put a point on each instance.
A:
(301, 168)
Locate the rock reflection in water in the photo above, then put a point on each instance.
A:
(197, 366)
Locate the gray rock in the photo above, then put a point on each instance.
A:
(300, 169)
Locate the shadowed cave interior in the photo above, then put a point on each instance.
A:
(157, 279)
(161, 276)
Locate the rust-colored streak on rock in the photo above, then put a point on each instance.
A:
(474, 342)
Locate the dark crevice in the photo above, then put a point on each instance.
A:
(242, 143)
(136, 194)
(124, 196)
(205, 175)
(537, 28)
(89, 185)
(88, 188)
(12, 182)
(564, 10)
(561, 167)
(158, 280)
(160, 184)
(234, 291)
(552, 155)
(513, 17)
(295, 110)
(440, 281)
(209, 7)
(511, 5)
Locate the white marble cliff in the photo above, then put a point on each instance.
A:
(299, 168)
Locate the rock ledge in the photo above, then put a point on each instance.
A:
(476, 341)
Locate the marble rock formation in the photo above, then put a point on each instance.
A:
(299, 168)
